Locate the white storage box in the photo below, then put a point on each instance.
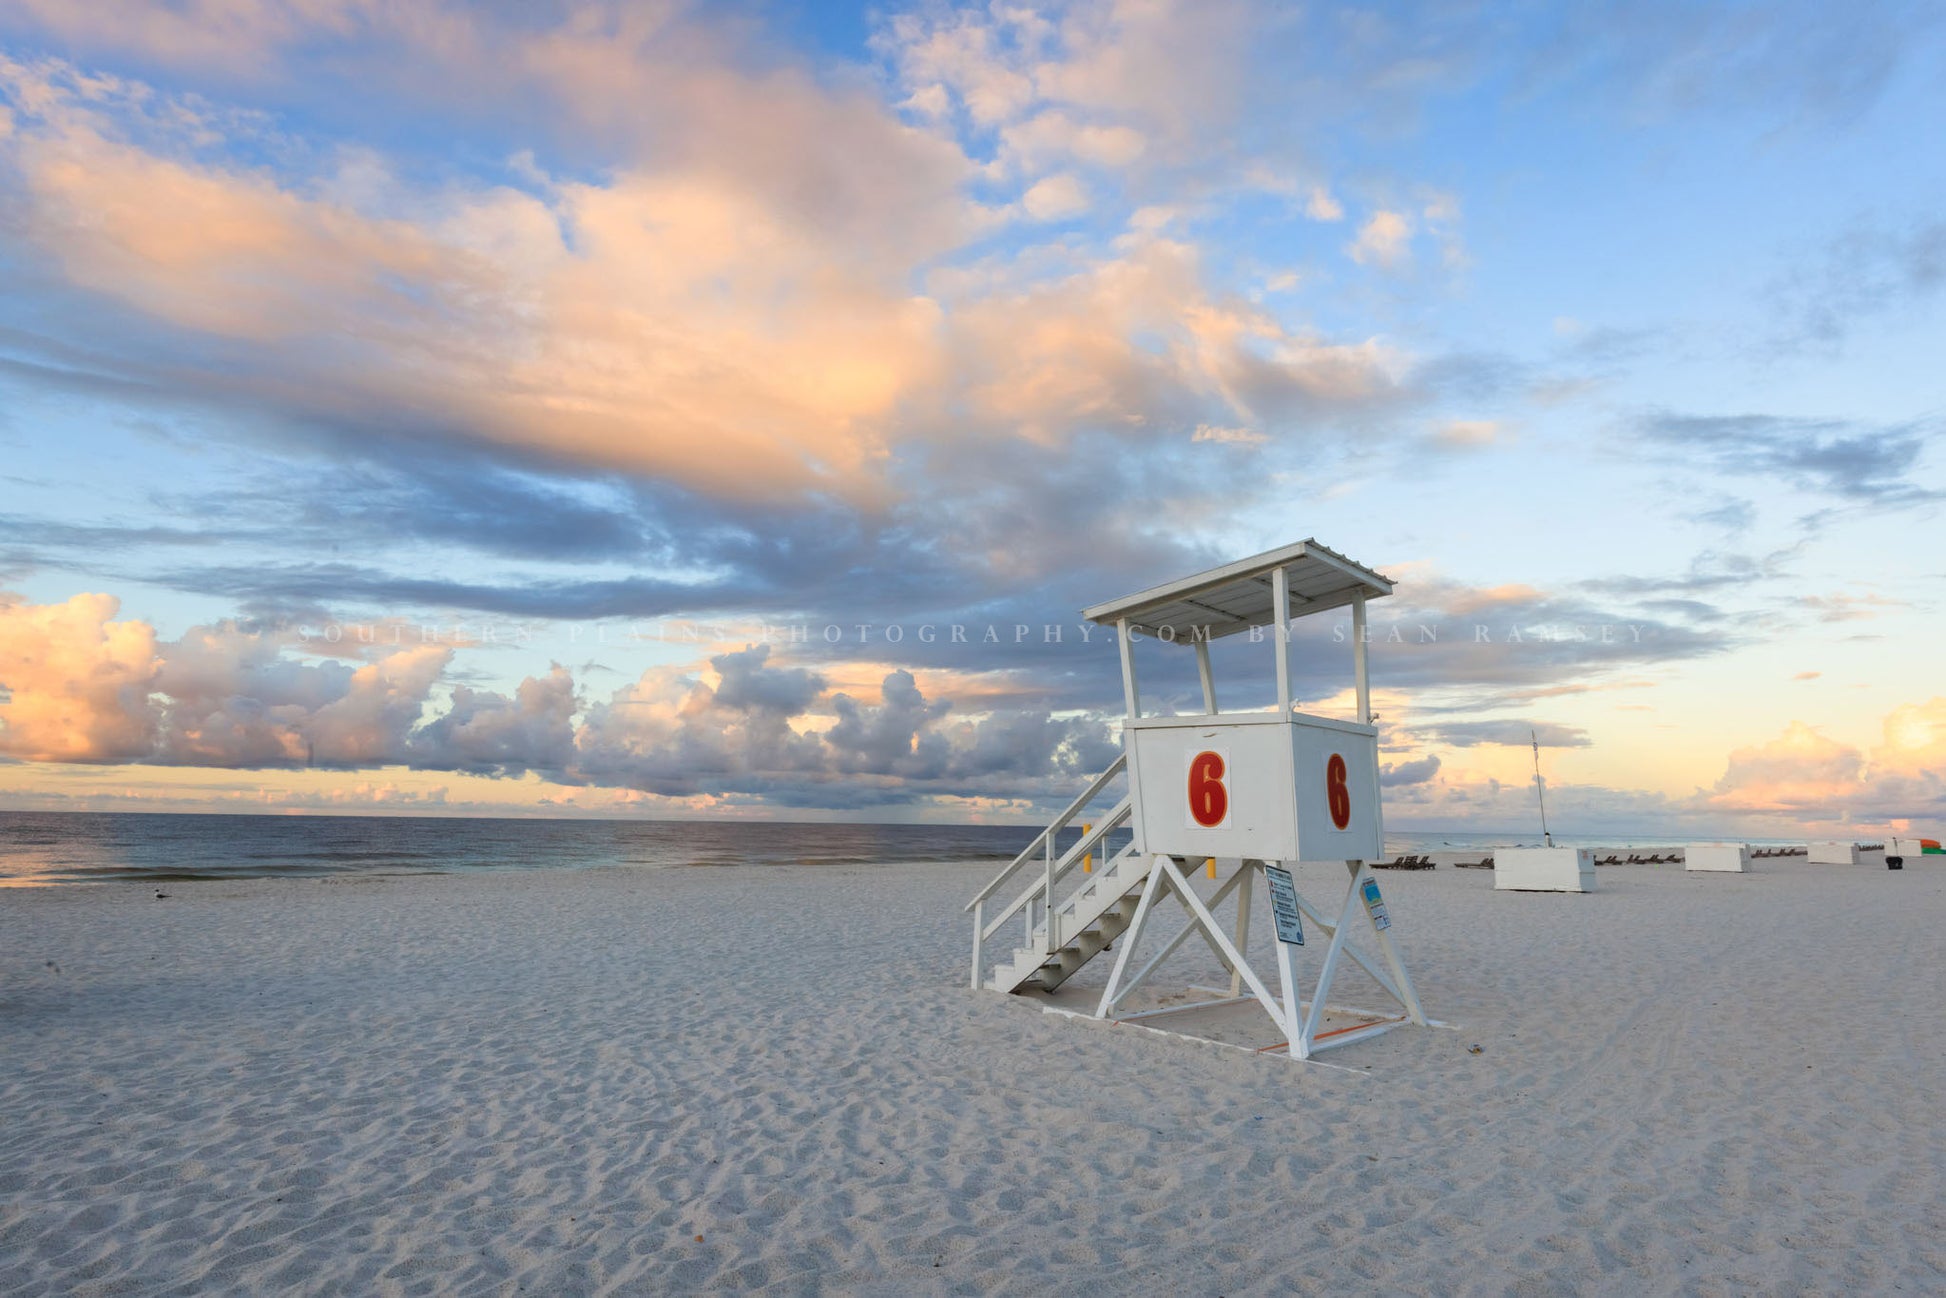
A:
(1544, 869)
(1256, 786)
(1846, 854)
(1733, 857)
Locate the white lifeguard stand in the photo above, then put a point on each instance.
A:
(1257, 791)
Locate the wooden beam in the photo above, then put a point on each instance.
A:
(1129, 697)
(1360, 667)
(1280, 643)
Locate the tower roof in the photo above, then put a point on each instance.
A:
(1237, 596)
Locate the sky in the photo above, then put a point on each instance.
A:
(669, 409)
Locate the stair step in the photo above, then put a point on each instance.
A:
(1097, 912)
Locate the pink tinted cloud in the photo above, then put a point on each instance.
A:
(84, 688)
(74, 682)
(81, 686)
(1801, 772)
(734, 305)
(1812, 777)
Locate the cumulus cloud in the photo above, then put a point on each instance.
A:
(1801, 772)
(1055, 198)
(1393, 775)
(1320, 205)
(1802, 781)
(811, 331)
(1808, 776)
(1128, 341)
(1105, 83)
(723, 310)
(74, 682)
(1054, 138)
(673, 320)
(885, 740)
(1384, 240)
(488, 733)
(749, 334)
(757, 731)
(674, 734)
(82, 687)
(233, 698)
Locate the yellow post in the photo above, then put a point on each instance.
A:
(1210, 865)
(1088, 860)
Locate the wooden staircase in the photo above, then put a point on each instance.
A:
(1068, 915)
(1090, 920)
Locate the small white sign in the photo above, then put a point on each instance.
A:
(1375, 906)
(1283, 905)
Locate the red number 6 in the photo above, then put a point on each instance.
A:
(1209, 800)
(1335, 790)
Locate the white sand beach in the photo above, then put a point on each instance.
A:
(662, 1081)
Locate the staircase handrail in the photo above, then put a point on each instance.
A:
(1120, 815)
(1035, 849)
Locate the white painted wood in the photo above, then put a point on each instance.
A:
(1182, 935)
(1543, 869)
(979, 942)
(1360, 660)
(1065, 867)
(1278, 793)
(1847, 853)
(1401, 983)
(1280, 640)
(1325, 927)
(1243, 921)
(1280, 771)
(1131, 939)
(1299, 1027)
(1131, 699)
(1089, 921)
(1094, 790)
(1300, 1045)
(1203, 673)
(1162, 1010)
(1911, 850)
(1215, 932)
(1287, 983)
(1356, 1035)
(1328, 580)
(1053, 917)
(1733, 858)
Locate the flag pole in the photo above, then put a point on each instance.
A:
(1539, 787)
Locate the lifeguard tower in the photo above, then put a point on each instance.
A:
(1251, 792)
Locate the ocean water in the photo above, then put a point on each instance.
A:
(82, 847)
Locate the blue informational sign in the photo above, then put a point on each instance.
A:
(1283, 905)
(1375, 905)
